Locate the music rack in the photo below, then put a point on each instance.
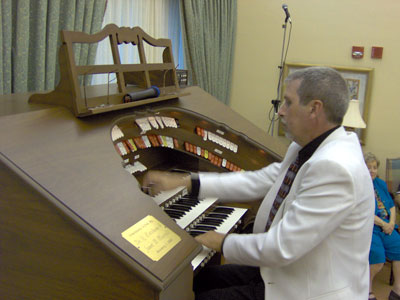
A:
(89, 100)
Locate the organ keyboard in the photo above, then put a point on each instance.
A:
(198, 216)
(223, 220)
(184, 215)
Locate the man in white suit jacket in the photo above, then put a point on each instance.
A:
(318, 243)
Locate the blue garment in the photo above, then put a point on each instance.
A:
(381, 187)
(382, 245)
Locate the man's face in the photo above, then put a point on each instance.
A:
(294, 115)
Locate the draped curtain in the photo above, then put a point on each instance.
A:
(208, 29)
(158, 18)
(30, 38)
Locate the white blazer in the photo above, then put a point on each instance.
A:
(319, 241)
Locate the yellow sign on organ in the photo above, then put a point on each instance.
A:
(151, 237)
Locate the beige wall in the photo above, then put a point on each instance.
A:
(323, 33)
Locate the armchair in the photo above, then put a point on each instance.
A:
(393, 184)
(393, 175)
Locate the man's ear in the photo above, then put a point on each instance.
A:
(316, 107)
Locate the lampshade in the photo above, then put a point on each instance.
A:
(353, 118)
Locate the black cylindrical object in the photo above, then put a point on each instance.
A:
(152, 92)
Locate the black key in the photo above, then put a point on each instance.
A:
(204, 227)
(225, 210)
(180, 207)
(187, 202)
(180, 212)
(195, 233)
(174, 213)
(218, 216)
(173, 216)
(212, 221)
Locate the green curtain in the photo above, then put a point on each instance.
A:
(30, 39)
(209, 28)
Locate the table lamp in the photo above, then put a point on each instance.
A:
(352, 118)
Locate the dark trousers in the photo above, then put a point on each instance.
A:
(229, 282)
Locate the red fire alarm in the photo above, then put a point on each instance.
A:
(357, 52)
(376, 52)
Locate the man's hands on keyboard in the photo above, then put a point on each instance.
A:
(211, 239)
(155, 182)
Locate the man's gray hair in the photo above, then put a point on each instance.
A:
(325, 84)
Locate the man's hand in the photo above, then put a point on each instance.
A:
(156, 181)
(211, 239)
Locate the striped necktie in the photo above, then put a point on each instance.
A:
(283, 191)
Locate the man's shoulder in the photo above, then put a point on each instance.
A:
(342, 153)
(340, 144)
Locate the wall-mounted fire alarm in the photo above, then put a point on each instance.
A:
(357, 52)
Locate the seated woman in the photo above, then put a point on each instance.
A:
(385, 237)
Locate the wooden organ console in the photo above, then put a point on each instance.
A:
(184, 140)
(70, 201)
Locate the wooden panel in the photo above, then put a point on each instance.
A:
(45, 256)
(75, 161)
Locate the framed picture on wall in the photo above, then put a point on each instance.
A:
(358, 81)
(354, 87)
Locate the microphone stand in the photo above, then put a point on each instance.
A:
(275, 102)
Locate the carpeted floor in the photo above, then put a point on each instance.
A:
(381, 285)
